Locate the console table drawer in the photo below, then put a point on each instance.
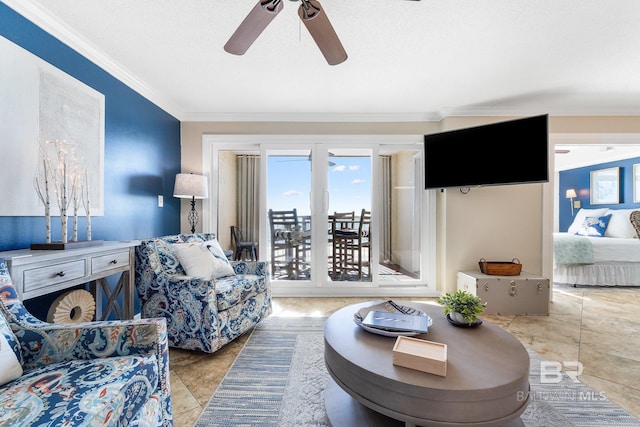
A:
(49, 275)
(103, 263)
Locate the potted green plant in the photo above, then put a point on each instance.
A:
(462, 306)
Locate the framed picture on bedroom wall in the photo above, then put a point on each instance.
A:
(605, 186)
(636, 183)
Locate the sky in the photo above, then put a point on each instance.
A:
(289, 184)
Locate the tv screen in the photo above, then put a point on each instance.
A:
(511, 152)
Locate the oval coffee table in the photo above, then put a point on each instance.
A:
(487, 382)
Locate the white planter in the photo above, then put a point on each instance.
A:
(457, 317)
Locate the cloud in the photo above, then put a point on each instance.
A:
(353, 168)
(292, 193)
(339, 168)
(358, 181)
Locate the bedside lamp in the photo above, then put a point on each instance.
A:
(571, 194)
(190, 186)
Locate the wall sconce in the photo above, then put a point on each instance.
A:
(571, 194)
(190, 186)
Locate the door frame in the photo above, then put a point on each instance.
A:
(426, 287)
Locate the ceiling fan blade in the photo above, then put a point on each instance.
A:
(316, 21)
(253, 25)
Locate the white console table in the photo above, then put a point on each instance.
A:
(40, 272)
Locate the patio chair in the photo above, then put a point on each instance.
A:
(289, 244)
(353, 247)
(242, 245)
(339, 221)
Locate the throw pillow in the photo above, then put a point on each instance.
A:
(217, 251)
(214, 246)
(594, 226)
(198, 261)
(10, 367)
(634, 217)
(582, 214)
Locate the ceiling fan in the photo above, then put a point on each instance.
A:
(311, 14)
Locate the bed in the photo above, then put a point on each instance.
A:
(598, 255)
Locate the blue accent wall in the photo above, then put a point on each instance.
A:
(142, 150)
(579, 179)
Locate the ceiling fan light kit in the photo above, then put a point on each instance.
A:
(311, 14)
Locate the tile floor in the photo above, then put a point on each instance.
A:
(599, 327)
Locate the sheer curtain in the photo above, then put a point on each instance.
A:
(385, 215)
(248, 197)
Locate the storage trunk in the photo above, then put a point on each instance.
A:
(522, 294)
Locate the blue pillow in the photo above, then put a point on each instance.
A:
(594, 226)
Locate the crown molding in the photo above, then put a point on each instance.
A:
(58, 29)
(532, 110)
(311, 117)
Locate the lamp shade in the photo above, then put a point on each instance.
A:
(571, 194)
(190, 186)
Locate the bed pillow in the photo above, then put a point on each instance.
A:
(581, 215)
(634, 218)
(620, 224)
(594, 226)
(198, 261)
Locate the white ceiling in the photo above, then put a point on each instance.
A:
(408, 60)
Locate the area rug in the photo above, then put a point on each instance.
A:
(279, 378)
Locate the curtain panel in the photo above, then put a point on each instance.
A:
(248, 195)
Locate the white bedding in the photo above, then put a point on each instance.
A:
(609, 249)
(611, 260)
(605, 249)
(602, 274)
(616, 263)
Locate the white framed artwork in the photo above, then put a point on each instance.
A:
(41, 103)
(605, 186)
(636, 183)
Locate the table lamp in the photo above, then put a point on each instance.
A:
(191, 186)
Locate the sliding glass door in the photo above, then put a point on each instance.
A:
(333, 213)
(290, 241)
(349, 214)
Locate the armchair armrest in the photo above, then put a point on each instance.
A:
(46, 343)
(259, 268)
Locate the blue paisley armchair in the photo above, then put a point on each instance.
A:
(108, 373)
(202, 313)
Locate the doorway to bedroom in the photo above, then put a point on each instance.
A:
(595, 193)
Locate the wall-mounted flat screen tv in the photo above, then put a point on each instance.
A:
(511, 152)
